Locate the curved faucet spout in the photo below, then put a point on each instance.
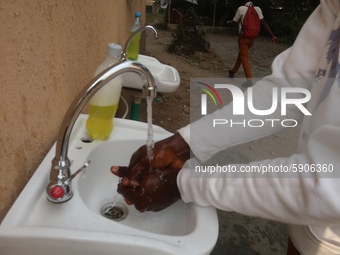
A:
(59, 189)
(139, 30)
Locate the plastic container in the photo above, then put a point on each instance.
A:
(133, 48)
(104, 104)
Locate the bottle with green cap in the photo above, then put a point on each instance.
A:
(133, 48)
(104, 104)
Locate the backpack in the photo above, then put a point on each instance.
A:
(251, 23)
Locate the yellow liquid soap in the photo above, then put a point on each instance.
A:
(133, 48)
(99, 124)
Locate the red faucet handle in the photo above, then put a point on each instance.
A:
(57, 192)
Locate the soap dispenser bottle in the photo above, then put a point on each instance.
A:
(104, 104)
(133, 48)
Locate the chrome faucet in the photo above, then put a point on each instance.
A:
(139, 30)
(59, 189)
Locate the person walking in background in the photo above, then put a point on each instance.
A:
(246, 41)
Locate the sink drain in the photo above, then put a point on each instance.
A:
(114, 211)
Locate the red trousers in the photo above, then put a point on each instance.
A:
(244, 44)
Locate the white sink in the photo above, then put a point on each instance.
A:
(166, 77)
(35, 226)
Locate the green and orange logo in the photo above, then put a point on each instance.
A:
(213, 94)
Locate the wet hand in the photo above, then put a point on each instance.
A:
(170, 153)
(152, 184)
(156, 189)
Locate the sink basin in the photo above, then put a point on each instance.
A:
(166, 77)
(35, 226)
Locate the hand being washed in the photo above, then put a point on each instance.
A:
(152, 186)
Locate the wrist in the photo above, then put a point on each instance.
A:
(171, 153)
(180, 146)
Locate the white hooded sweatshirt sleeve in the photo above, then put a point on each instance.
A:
(309, 200)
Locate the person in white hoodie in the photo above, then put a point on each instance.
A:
(307, 199)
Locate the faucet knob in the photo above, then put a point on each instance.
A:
(57, 192)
